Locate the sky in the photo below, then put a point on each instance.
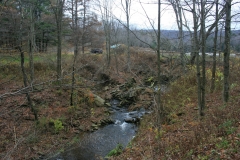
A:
(139, 20)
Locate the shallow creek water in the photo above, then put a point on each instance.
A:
(98, 144)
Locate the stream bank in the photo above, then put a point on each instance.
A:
(98, 144)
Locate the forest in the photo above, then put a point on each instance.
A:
(77, 81)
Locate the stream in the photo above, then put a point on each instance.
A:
(98, 144)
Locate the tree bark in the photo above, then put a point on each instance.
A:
(128, 2)
(76, 37)
(178, 13)
(31, 43)
(203, 49)
(214, 53)
(58, 11)
(84, 26)
(227, 51)
(159, 106)
(19, 47)
(196, 53)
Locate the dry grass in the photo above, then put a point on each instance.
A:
(185, 135)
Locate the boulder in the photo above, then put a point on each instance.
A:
(132, 120)
(129, 120)
(99, 101)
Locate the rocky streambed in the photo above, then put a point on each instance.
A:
(131, 102)
(98, 144)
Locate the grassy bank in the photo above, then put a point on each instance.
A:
(185, 135)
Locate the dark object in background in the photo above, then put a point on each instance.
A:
(96, 50)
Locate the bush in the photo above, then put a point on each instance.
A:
(116, 151)
(58, 126)
(52, 125)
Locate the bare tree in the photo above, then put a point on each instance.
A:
(203, 49)
(179, 18)
(57, 7)
(208, 7)
(76, 36)
(214, 52)
(159, 106)
(84, 21)
(19, 47)
(126, 9)
(31, 41)
(106, 12)
(227, 50)
(115, 32)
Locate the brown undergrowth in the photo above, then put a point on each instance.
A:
(59, 125)
(185, 135)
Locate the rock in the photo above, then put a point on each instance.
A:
(81, 128)
(94, 126)
(129, 120)
(108, 104)
(109, 121)
(99, 101)
(106, 88)
(132, 120)
(111, 112)
(134, 114)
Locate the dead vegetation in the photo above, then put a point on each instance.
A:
(185, 135)
(59, 125)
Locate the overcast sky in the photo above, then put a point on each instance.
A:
(138, 18)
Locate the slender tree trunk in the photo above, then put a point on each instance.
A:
(214, 53)
(59, 52)
(203, 48)
(181, 47)
(22, 64)
(196, 53)
(84, 26)
(159, 106)
(59, 17)
(108, 43)
(128, 33)
(178, 13)
(25, 83)
(116, 61)
(220, 45)
(227, 51)
(76, 36)
(31, 44)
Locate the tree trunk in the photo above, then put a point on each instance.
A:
(203, 48)
(30, 104)
(76, 37)
(128, 33)
(59, 51)
(84, 26)
(196, 53)
(227, 51)
(59, 17)
(31, 44)
(19, 47)
(159, 106)
(181, 47)
(178, 13)
(214, 53)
